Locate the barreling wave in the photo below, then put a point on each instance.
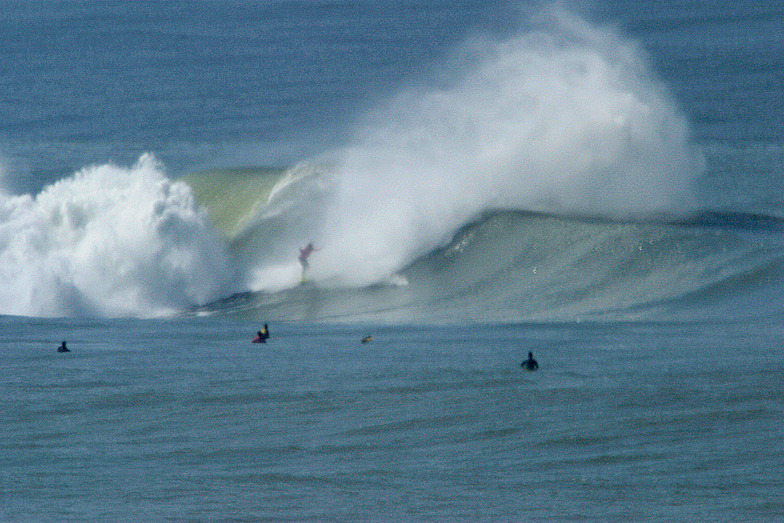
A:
(565, 118)
(547, 176)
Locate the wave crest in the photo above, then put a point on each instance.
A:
(108, 241)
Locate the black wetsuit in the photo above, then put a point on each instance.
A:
(530, 363)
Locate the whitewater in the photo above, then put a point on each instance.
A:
(565, 119)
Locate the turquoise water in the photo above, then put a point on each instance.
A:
(599, 185)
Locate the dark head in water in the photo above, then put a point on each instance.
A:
(530, 363)
(62, 348)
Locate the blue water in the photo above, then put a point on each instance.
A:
(601, 185)
(188, 420)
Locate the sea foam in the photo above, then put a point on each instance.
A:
(109, 241)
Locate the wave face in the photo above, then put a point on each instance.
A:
(511, 266)
(546, 176)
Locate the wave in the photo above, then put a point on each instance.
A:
(546, 175)
(566, 118)
(512, 266)
(130, 241)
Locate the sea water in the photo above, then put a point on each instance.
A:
(184, 420)
(600, 185)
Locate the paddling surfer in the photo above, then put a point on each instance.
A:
(262, 335)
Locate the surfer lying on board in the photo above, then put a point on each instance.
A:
(304, 254)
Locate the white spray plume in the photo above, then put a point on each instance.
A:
(566, 118)
(108, 241)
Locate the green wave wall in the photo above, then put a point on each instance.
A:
(232, 196)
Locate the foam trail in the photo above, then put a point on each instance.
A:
(566, 118)
(108, 241)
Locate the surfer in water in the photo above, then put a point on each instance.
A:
(262, 336)
(304, 254)
(530, 363)
(62, 348)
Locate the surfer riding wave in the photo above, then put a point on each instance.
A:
(304, 254)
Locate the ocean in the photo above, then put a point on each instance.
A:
(600, 185)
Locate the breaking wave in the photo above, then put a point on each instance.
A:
(109, 241)
(566, 118)
(549, 175)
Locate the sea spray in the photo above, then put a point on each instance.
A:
(109, 241)
(565, 118)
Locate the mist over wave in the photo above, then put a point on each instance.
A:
(565, 118)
